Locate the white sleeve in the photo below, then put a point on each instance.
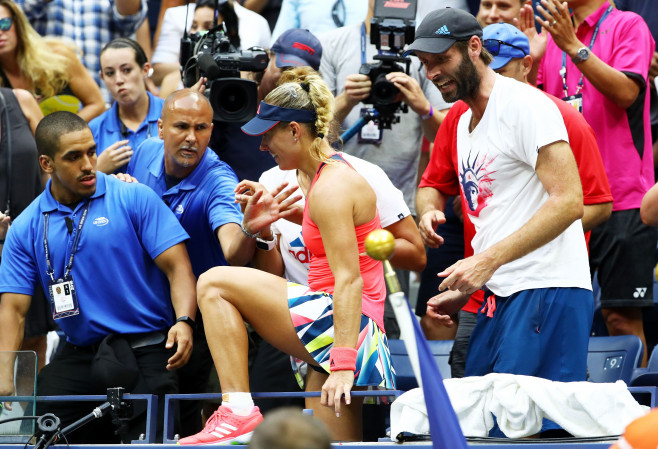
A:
(253, 28)
(539, 122)
(288, 18)
(390, 201)
(171, 32)
(327, 67)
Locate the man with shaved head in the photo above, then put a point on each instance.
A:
(200, 190)
(197, 186)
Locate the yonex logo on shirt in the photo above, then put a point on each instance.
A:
(100, 221)
(180, 209)
(442, 30)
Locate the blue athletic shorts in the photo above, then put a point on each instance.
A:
(542, 332)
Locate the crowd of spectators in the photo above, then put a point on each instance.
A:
(117, 160)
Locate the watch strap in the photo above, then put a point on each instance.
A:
(187, 320)
(582, 54)
(265, 245)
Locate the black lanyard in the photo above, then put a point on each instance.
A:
(125, 132)
(6, 133)
(563, 70)
(69, 266)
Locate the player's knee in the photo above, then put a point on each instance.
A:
(206, 287)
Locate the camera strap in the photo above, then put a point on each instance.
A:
(363, 43)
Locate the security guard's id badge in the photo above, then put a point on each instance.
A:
(63, 297)
(370, 133)
(576, 101)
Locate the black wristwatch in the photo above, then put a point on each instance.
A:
(187, 320)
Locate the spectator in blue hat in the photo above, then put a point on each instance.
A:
(294, 48)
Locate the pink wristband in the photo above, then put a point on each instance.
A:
(342, 359)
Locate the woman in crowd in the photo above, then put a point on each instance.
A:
(343, 306)
(22, 181)
(134, 115)
(44, 67)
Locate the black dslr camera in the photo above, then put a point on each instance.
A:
(392, 27)
(212, 55)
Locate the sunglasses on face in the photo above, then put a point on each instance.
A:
(493, 46)
(5, 23)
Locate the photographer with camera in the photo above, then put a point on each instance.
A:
(227, 77)
(248, 27)
(395, 150)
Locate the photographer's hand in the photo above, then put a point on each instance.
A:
(412, 94)
(357, 89)
(200, 85)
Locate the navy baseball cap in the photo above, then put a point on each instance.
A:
(297, 47)
(441, 28)
(268, 116)
(505, 42)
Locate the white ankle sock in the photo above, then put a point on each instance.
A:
(240, 403)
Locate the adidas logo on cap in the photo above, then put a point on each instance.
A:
(442, 30)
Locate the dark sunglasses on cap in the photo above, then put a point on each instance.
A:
(5, 23)
(493, 46)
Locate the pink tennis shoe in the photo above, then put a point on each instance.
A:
(225, 427)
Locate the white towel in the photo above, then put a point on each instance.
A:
(519, 403)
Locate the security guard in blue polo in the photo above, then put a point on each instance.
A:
(111, 256)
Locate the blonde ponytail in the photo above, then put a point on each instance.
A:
(303, 88)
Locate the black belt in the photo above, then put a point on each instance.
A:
(135, 340)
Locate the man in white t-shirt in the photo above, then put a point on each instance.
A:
(514, 165)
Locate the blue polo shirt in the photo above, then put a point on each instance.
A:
(106, 128)
(202, 202)
(119, 287)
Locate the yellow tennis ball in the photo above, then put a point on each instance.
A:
(60, 103)
(380, 244)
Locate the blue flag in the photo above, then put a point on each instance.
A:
(444, 425)
(445, 430)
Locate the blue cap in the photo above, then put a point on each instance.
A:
(268, 116)
(505, 42)
(297, 47)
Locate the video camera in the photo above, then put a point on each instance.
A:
(393, 26)
(212, 55)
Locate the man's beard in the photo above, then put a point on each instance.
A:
(467, 79)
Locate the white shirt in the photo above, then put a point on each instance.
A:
(296, 257)
(498, 178)
(252, 29)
